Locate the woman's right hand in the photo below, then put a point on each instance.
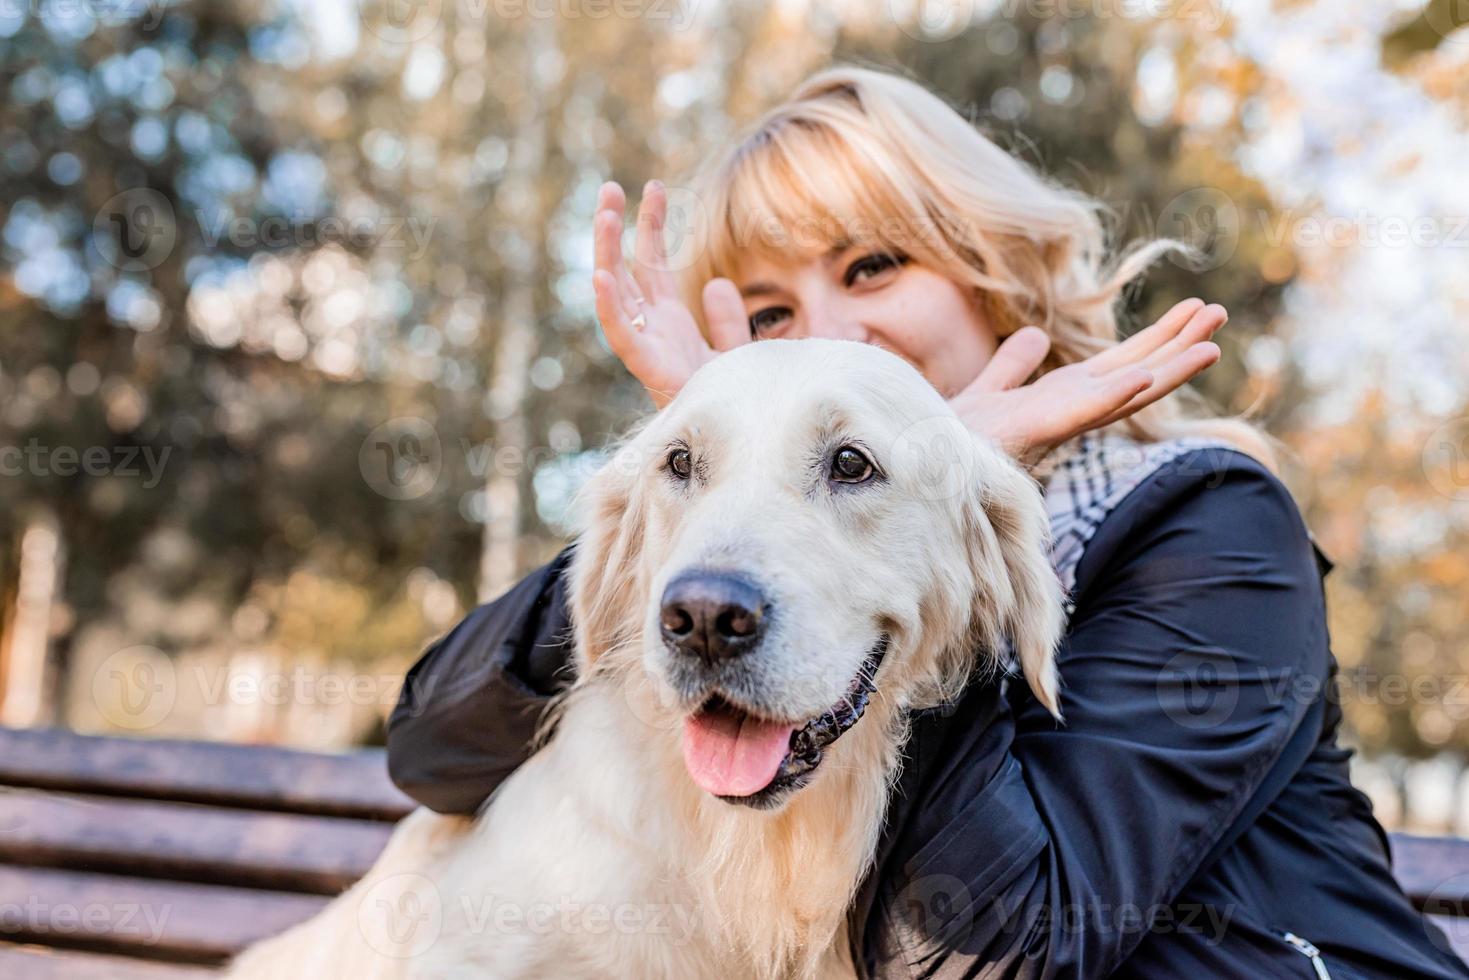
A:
(666, 348)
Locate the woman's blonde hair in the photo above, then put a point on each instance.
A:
(868, 157)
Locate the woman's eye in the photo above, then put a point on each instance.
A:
(680, 463)
(872, 265)
(850, 466)
(765, 322)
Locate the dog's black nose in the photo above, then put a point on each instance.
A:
(712, 615)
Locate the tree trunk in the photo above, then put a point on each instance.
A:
(524, 265)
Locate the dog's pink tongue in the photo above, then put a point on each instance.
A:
(730, 755)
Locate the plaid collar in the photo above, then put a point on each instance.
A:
(1086, 478)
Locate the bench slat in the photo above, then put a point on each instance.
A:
(353, 784)
(164, 920)
(188, 842)
(45, 963)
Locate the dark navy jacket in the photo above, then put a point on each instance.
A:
(1192, 818)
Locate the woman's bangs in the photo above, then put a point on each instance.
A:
(795, 193)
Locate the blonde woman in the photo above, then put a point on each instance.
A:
(1193, 816)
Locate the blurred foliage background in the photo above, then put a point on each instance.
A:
(298, 360)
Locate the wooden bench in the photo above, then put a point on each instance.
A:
(149, 860)
(130, 859)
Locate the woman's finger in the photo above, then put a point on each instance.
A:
(1200, 327)
(1167, 378)
(1087, 409)
(1137, 347)
(611, 197)
(1016, 359)
(622, 338)
(1109, 398)
(650, 264)
(607, 249)
(724, 311)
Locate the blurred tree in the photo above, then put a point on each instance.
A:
(1423, 30)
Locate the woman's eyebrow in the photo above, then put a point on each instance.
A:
(756, 289)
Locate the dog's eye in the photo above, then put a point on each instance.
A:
(850, 466)
(680, 464)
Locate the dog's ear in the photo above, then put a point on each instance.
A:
(1019, 594)
(605, 566)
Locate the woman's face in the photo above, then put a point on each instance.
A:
(858, 293)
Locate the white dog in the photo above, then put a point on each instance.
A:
(799, 549)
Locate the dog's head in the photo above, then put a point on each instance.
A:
(805, 526)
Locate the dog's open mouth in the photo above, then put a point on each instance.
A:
(743, 758)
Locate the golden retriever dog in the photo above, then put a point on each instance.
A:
(805, 545)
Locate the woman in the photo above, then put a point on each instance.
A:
(1193, 816)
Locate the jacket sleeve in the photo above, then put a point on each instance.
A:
(1197, 648)
(468, 709)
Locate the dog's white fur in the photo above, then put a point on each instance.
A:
(600, 857)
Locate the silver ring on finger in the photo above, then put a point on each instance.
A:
(640, 320)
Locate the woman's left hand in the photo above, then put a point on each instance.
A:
(1027, 420)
